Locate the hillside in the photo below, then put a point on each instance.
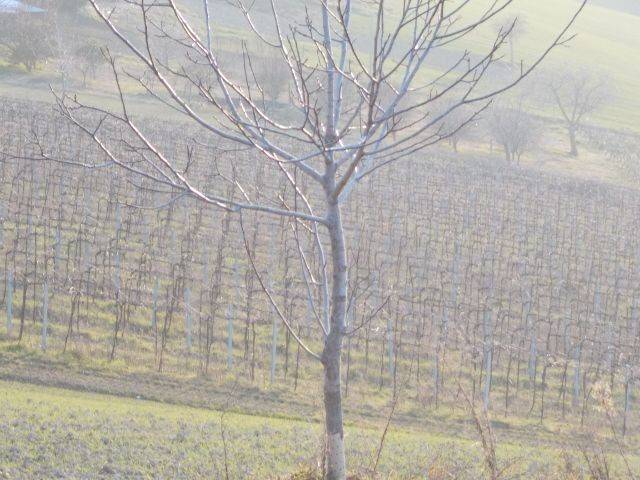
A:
(607, 41)
(361, 253)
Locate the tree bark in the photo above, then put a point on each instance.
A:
(335, 458)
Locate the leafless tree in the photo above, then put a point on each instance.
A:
(320, 147)
(89, 59)
(457, 126)
(577, 94)
(513, 128)
(271, 73)
(65, 60)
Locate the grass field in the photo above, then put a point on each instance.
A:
(56, 433)
(63, 418)
(607, 40)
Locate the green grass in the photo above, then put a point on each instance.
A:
(55, 433)
(607, 41)
(85, 364)
(50, 431)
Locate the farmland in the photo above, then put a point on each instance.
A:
(479, 292)
(380, 245)
(84, 435)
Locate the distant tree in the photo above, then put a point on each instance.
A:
(28, 39)
(513, 128)
(65, 60)
(271, 72)
(577, 94)
(458, 125)
(89, 58)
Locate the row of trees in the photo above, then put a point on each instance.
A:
(32, 40)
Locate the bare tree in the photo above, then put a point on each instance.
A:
(577, 94)
(320, 147)
(89, 58)
(271, 73)
(513, 128)
(457, 126)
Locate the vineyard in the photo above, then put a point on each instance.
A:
(469, 278)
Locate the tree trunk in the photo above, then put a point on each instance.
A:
(573, 142)
(335, 458)
(507, 154)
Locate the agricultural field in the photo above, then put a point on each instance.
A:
(86, 435)
(320, 240)
(553, 355)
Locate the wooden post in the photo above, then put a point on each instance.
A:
(187, 316)
(45, 316)
(154, 313)
(229, 337)
(9, 303)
